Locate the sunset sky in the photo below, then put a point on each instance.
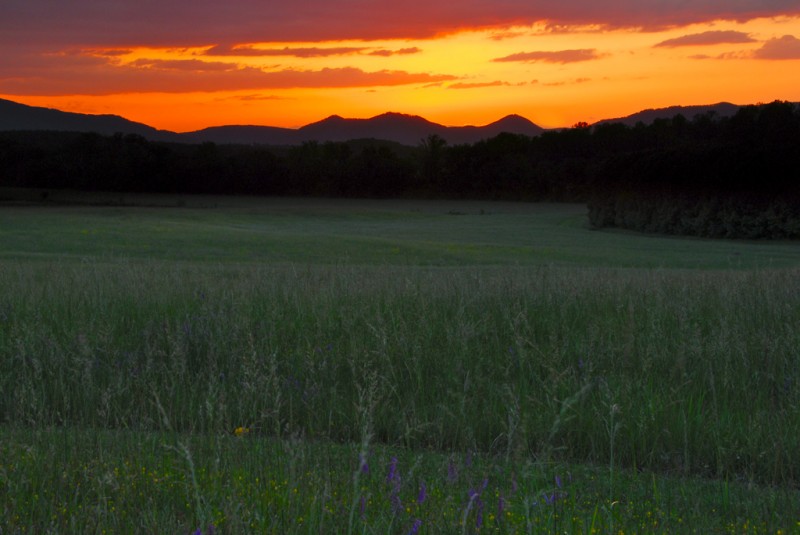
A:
(186, 65)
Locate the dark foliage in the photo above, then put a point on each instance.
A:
(710, 176)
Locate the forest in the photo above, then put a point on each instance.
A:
(708, 176)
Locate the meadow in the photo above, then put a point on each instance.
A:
(229, 365)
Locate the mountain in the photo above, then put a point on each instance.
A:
(396, 127)
(15, 116)
(721, 109)
(242, 135)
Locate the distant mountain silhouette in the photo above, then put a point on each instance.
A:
(722, 109)
(15, 116)
(242, 135)
(395, 127)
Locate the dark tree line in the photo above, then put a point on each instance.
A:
(706, 176)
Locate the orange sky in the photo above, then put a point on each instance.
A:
(471, 65)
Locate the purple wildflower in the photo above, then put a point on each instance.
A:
(393, 475)
(362, 507)
(558, 481)
(501, 506)
(415, 527)
(550, 499)
(452, 472)
(468, 460)
(362, 463)
(423, 493)
(395, 502)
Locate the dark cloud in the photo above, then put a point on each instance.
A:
(188, 65)
(400, 52)
(567, 82)
(477, 85)
(558, 56)
(305, 52)
(178, 76)
(787, 47)
(299, 52)
(707, 38)
(86, 23)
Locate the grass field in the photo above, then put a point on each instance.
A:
(298, 366)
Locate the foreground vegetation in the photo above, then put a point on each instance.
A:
(139, 394)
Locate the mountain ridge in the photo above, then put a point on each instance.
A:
(390, 126)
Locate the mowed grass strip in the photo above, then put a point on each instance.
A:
(363, 233)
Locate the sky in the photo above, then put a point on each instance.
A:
(187, 65)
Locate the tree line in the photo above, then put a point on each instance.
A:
(707, 175)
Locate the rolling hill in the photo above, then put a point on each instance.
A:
(396, 127)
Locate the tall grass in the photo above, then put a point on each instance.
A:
(676, 372)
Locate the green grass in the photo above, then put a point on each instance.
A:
(430, 233)
(656, 377)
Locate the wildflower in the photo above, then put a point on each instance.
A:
(452, 472)
(558, 481)
(423, 493)
(363, 466)
(393, 475)
(362, 507)
(395, 502)
(415, 527)
(241, 431)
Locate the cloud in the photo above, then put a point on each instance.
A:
(299, 52)
(463, 85)
(787, 47)
(187, 65)
(86, 23)
(503, 35)
(304, 52)
(559, 56)
(567, 82)
(707, 38)
(400, 52)
(168, 76)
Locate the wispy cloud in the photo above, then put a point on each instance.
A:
(188, 65)
(786, 47)
(567, 82)
(707, 38)
(170, 23)
(558, 56)
(305, 52)
(477, 85)
(299, 52)
(175, 76)
(400, 52)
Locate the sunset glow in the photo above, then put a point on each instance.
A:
(472, 63)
